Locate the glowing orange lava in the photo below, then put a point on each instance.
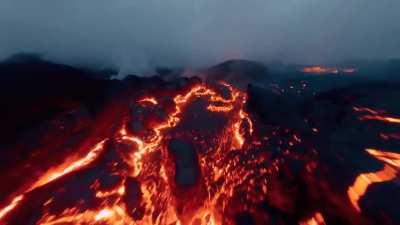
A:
(70, 165)
(11, 206)
(227, 176)
(378, 115)
(148, 100)
(389, 172)
(316, 219)
(326, 70)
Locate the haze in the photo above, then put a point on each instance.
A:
(137, 35)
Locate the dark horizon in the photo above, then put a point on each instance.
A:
(137, 36)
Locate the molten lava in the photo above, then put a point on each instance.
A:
(225, 162)
(377, 115)
(327, 70)
(391, 160)
(316, 219)
(192, 154)
(70, 165)
(363, 181)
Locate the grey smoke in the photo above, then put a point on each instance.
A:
(137, 35)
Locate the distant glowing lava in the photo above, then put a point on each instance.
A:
(327, 70)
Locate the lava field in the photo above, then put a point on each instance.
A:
(224, 146)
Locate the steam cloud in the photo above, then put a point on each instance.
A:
(137, 35)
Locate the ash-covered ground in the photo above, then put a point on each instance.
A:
(237, 143)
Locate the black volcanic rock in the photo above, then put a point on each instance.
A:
(343, 135)
(33, 90)
(275, 107)
(238, 72)
(186, 165)
(331, 108)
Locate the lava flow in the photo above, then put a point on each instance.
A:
(327, 70)
(189, 153)
(391, 160)
(316, 219)
(170, 165)
(70, 165)
(389, 172)
(377, 115)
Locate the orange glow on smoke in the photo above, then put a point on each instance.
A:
(363, 181)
